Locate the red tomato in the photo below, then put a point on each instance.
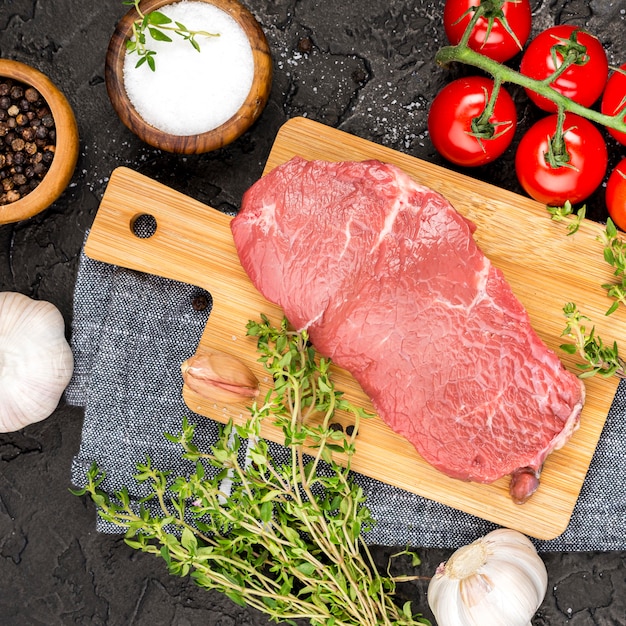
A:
(497, 43)
(614, 100)
(616, 195)
(453, 112)
(576, 180)
(582, 82)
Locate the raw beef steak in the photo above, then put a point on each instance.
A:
(387, 279)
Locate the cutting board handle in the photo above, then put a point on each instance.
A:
(191, 243)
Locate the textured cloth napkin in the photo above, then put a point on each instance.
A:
(130, 333)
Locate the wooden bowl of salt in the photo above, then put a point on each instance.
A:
(194, 101)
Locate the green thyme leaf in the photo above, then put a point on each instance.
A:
(566, 213)
(156, 17)
(598, 358)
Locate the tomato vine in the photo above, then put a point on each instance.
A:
(461, 53)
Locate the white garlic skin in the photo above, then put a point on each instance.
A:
(36, 361)
(498, 580)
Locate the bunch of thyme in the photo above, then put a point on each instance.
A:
(156, 24)
(286, 538)
(599, 359)
(615, 256)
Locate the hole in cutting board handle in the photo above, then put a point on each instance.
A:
(143, 225)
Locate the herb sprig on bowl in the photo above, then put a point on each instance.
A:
(286, 537)
(157, 24)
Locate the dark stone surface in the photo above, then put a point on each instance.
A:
(365, 67)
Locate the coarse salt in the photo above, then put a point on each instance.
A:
(192, 92)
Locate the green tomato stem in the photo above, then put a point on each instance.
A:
(462, 54)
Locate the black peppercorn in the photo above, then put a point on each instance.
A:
(200, 303)
(16, 92)
(305, 45)
(31, 94)
(47, 157)
(27, 139)
(13, 195)
(28, 133)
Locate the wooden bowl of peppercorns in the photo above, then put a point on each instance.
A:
(38, 141)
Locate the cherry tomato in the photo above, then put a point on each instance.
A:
(495, 43)
(616, 195)
(583, 82)
(452, 113)
(614, 100)
(576, 180)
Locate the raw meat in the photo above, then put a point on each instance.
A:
(387, 279)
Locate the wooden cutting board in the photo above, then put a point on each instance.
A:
(545, 267)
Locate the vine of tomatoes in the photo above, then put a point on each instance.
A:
(564, 71)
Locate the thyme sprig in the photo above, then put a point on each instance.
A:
(615, 256)
(285, 537)
(156, 24)
(599, 359)
(566, 213)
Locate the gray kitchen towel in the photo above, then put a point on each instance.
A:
(130, 333)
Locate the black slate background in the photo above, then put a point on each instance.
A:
(364, 67)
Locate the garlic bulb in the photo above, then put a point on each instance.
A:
(498, 580)
(36, 362)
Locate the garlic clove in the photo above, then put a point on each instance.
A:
(220, 377)
(498, 580)
(36, 361)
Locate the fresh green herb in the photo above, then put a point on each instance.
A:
(599, 359)
(566, 213)
(286, 538)
(615, 256)
(156, 24)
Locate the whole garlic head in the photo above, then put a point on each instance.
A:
(36, 361)
(498, 580)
